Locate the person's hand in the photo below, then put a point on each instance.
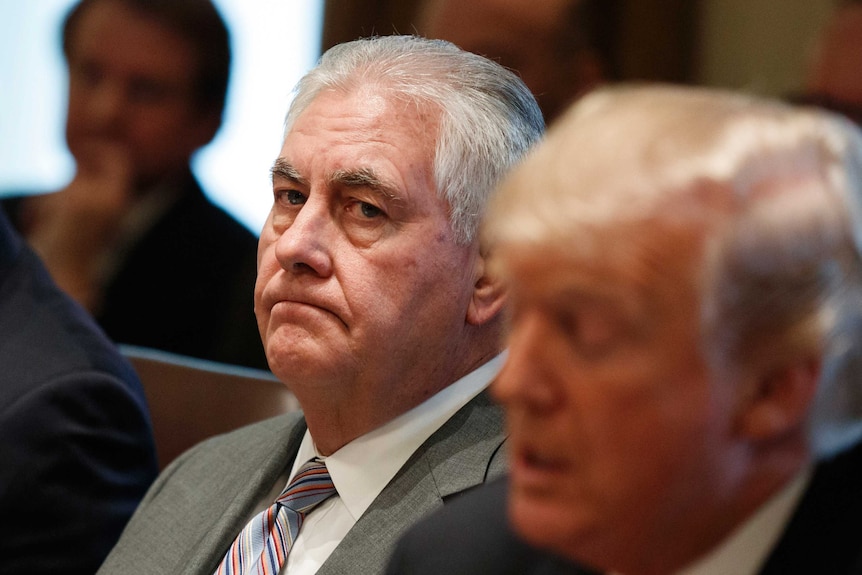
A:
(74, 228)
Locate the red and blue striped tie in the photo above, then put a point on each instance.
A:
(262, 546)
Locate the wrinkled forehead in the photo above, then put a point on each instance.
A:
(379, 91)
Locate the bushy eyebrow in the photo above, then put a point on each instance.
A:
(284, 170)
(361, 178)
(365, 178)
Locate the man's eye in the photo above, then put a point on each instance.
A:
(88, 73)
(291, 197)
(363, 210)
(369, 210)
(591, 333)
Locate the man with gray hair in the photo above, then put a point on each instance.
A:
(682, 386)
(376, 310)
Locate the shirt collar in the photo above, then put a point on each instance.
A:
(390, 446)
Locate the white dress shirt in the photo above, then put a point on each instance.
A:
(362, 468)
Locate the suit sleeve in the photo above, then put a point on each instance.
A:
(77, 457)
(468, 535)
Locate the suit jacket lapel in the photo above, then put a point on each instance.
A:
(455, 458)
(248, 483)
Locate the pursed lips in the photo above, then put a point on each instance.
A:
(289, 301)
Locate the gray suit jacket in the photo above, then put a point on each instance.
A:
(200, 503)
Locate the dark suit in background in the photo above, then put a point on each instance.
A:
(76, 447)
(186, 284)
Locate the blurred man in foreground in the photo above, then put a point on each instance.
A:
(76, 445)
(682, 386)
(376, 310)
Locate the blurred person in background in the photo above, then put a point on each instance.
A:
(561, 48)
(832, 77)
(133, 237)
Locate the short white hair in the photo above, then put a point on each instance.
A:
(489, 119)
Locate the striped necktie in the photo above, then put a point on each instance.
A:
(262, 546)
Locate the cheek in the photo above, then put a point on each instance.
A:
(77, 105)
(76, 128)
(649, 458)
(379, 302)
(643, 428)
(266, 245)
(622, 474)
(624, 446)
(425, 278)
(156, 131)
(152, 131)
(267, 267)
(259, 286)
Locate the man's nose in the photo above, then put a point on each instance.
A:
(306, 244)
(107, 103)
(526, 380)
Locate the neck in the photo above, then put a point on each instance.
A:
(335, 416)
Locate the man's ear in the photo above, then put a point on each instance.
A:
(489, 295)
(781, 399)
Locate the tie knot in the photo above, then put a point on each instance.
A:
(262, 546)
(311, 486)
(311, 467)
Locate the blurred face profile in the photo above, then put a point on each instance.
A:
(616, 429)
(360, 278)
(131, 83)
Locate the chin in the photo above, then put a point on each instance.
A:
(286, 366)
(297, 369)
(548, 525)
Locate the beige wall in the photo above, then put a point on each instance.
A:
(758, 45)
